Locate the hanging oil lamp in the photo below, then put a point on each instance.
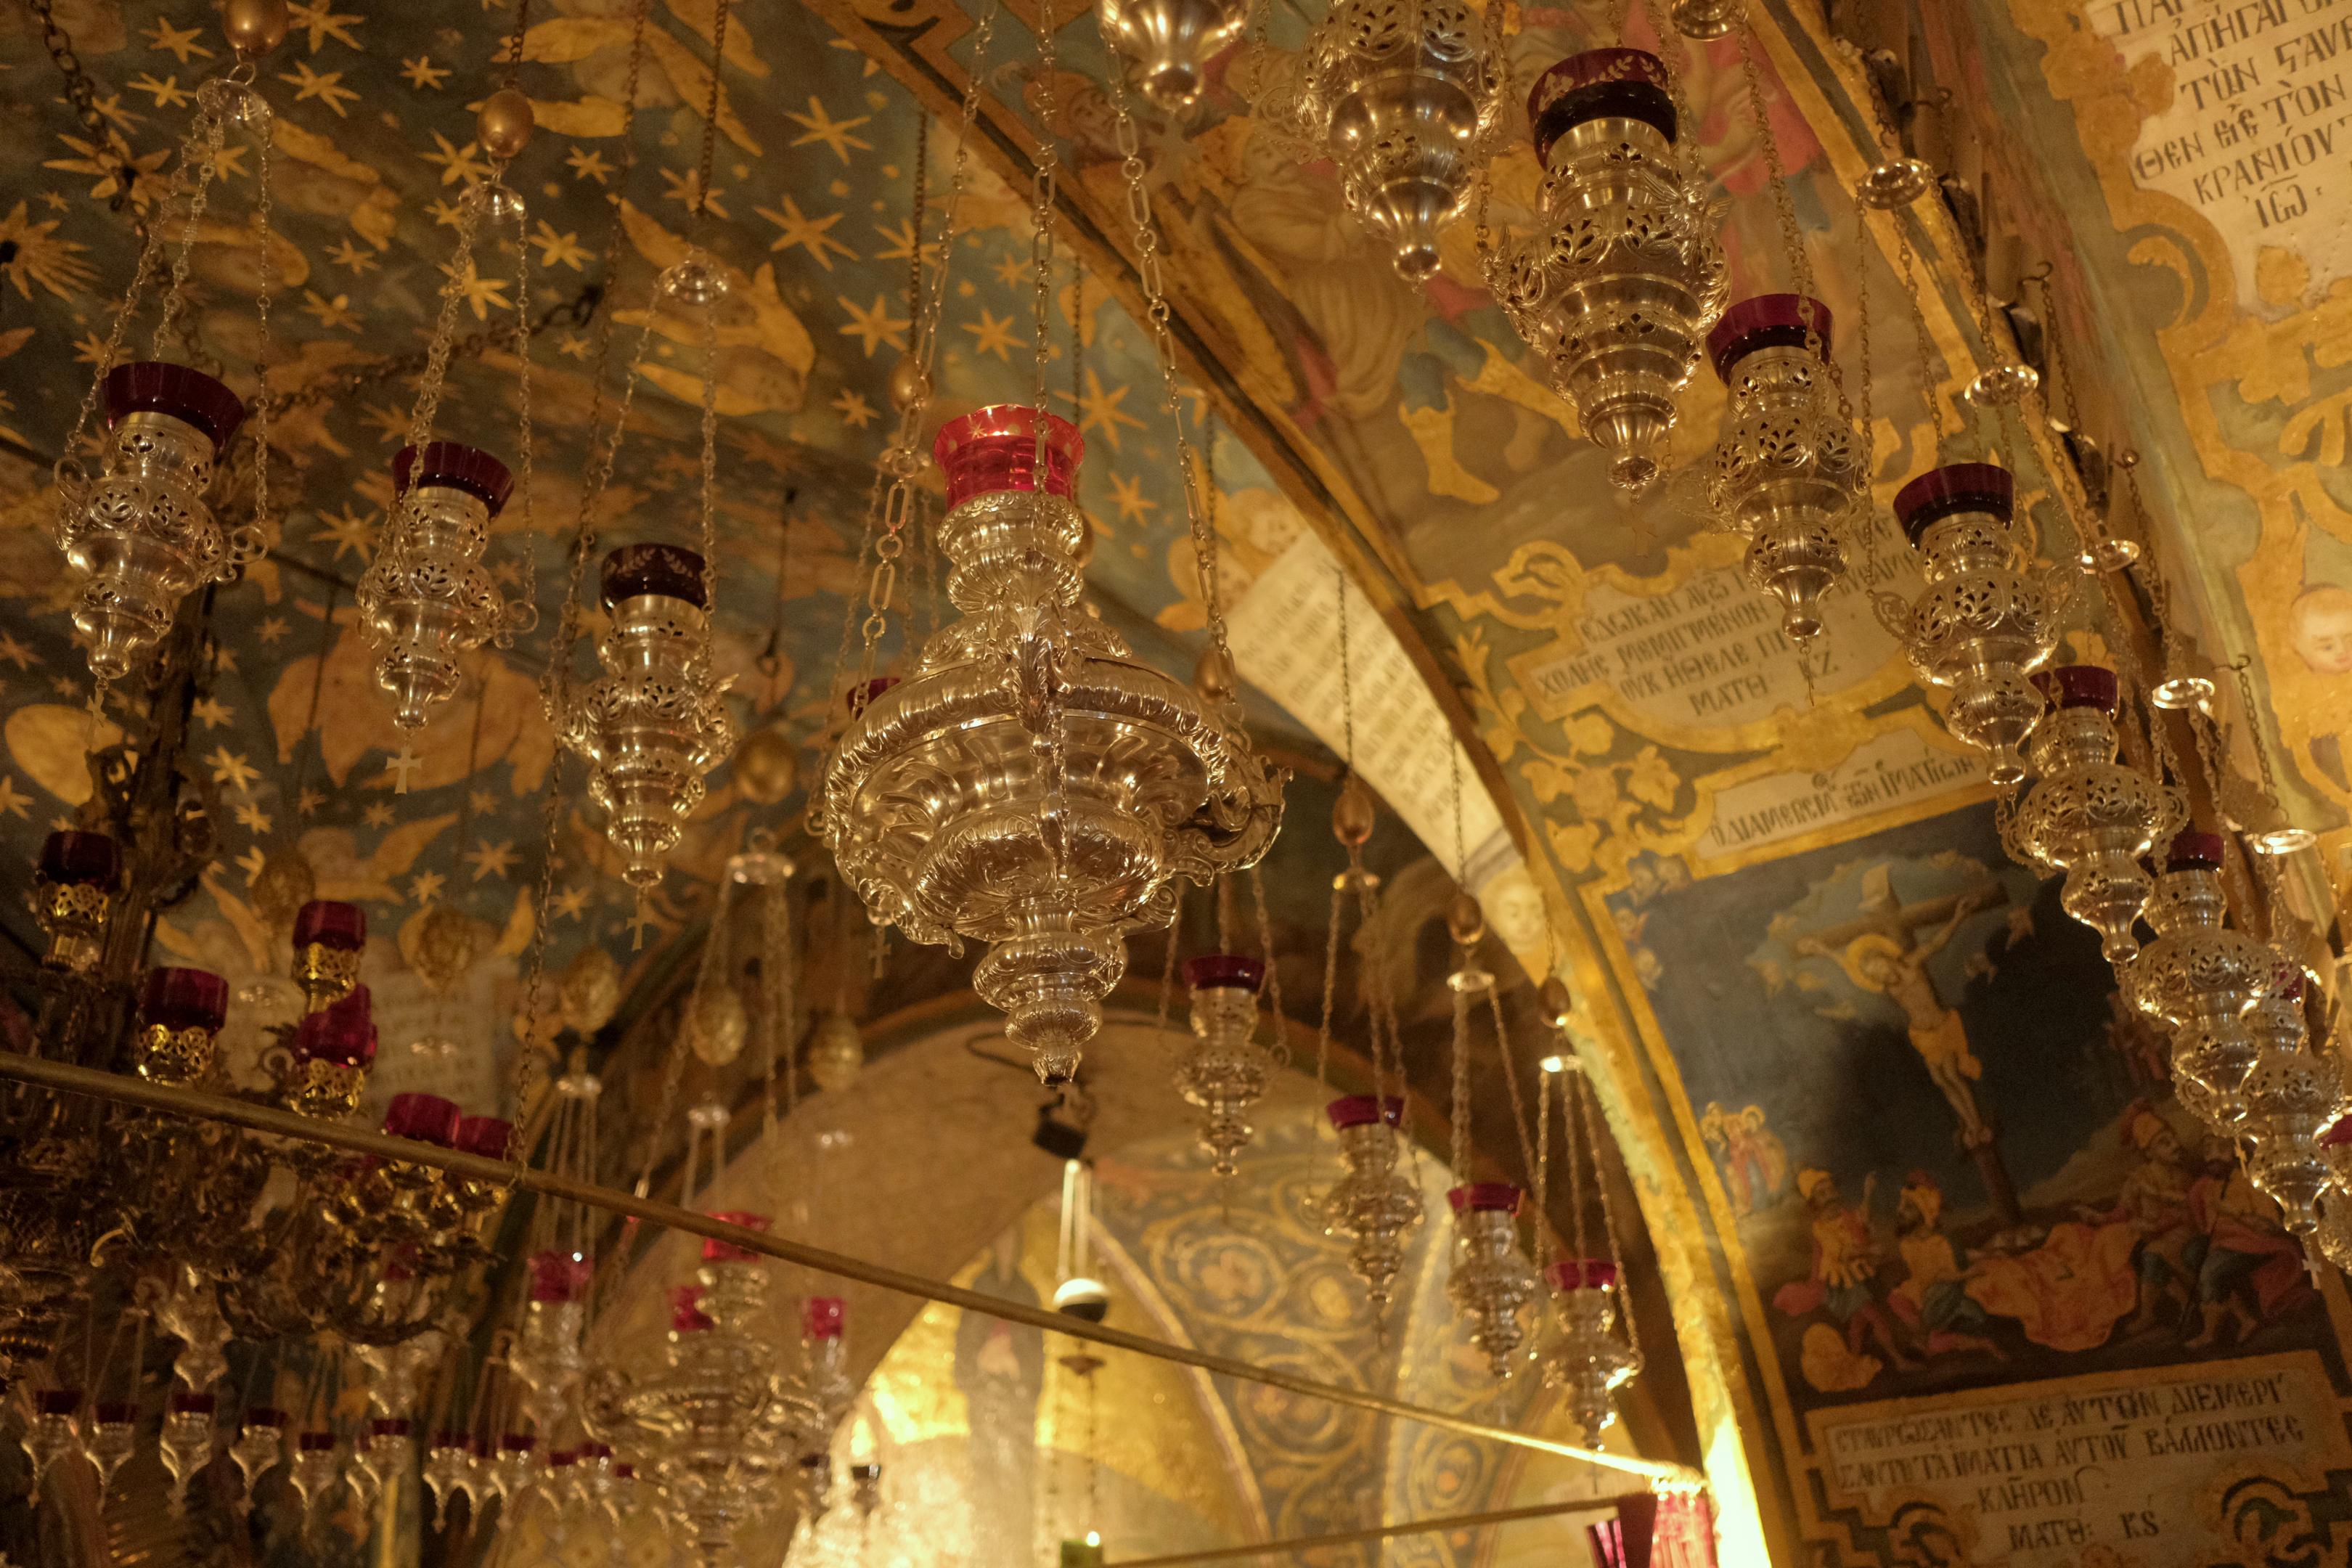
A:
(1583, 1355)
(113, 1439)
(1171, 42)
(1031, 785)
(2292, 1095)
(2089, 815)
(53, 1431)
(329, 939)
(1619, 287)
(1491, 1284)
(1224, 1072)
(1788, 472)
(329, 1057)
(426, 598)
(75, 885)
(1984, 623)
(1400, 97)
(2201, 978)
(186, 1442)
(546, 1356)
(654, 722)
(260, 1443)
(1374, 1205)
(181, 1012)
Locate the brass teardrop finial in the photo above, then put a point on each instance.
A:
(1552, 999)
(906, 382)
(1354, 814)
(254, 27)
(1213, 678)
(1465, 919)
(505, 123)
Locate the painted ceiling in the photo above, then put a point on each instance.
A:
(1662, 802)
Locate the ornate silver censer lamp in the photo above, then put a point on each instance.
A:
(1029, 783)
(1171, 43)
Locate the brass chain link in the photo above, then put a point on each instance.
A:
(81, 94)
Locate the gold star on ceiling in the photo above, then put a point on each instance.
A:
(390, 423)
(231, 769)
(323, 24)
(214, 713)
(558, 249)
(487, 294)
(422, 73)
(834, 133)
(875, 326)
(56, 265)
(177, 44)
(808, 232)
(457, 163)
(856, 412)
(326, 86)
(1013, 269)
(15, 652)
(12, 803)
(426, 887)
(586, 163)
(108, 163)
(307, 803)
(377, 815)
(251, 863)
(571, 903)
(271, 629)
(350, 531)
(686, 186)
(1100, 410)
(991, 336)
(166, 93)
(343, 253)
(490, 860)
(334, 314)
(249, 814)
(1127, 495)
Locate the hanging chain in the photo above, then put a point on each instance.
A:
(523, 615)
(1490, 127)
(1543, 1168)
(1793, 235)
(1273, 972)
(1574, 1089)
(1146, 238)
(556, 690)
(265, 347)
(704, 160)
(890, 504)
(445, 327)
(81, 93)
(212, 126)
(1339, 885)
(1592, 1141)
(1511, 1079)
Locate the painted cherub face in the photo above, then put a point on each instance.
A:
(2320, 627)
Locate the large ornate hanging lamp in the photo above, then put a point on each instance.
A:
(1619, 287)
(2292, 1095)
(654, 723)
(1401, 93)
(1583, 1355)
(1787, 471)
(1374, 1206)
(140, 533)
(426, 598)
(1985, 623)
(1491, 1283)
(2090, 817)
(1029, 783)
(1223, 1071)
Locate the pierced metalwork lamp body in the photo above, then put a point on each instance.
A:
(1399, 92)
(1583, 1354)
(2201, 978)
(1788, 472)
(1374, 1205)
(1030, 784)
(1985, 623)
(2090, 817)
(140, 533)
(1492, 1284)
(2293, 1094)
(1171, 43)
(1224, 1072)
(426, 598)
(654, 722)
(1621, 284)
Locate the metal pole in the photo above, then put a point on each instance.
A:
(1370, 1532)
(269, 1120)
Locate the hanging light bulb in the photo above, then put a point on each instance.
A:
(2090, 817)
(1170, 43)
(1583, 1355)
(426, 599)
(1788, 472)
(1400, 98)
(654, 723)
(1077, 1292)
(1031, 785)
(1492, 1284)
(1626, 277)
(1374, 1205)
(1225, 1071)
(2201, 978)
(1984, 623)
